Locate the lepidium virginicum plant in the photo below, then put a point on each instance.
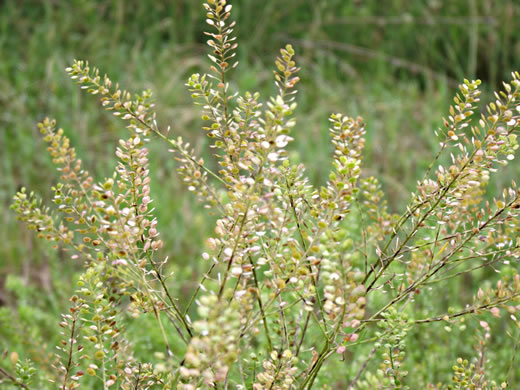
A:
(290, 283)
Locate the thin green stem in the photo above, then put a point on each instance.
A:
(260, 305)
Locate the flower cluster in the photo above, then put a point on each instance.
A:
(214, 348)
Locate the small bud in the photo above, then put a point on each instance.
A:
(14, 358)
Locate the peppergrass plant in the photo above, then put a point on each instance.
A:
(297, 276)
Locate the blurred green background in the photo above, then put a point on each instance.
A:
(394, 62)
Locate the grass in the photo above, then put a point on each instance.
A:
(396, 69)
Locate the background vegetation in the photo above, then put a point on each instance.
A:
(397, 66)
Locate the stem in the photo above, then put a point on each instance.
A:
(305, 249)
(303, 334)
(313, 373)
(136, 387)
(71, 346)
(230, 261)
(276, 374)
(166, 291)
(206, 275)
(259, 299)
(12, 378)
(199, 286)
(163, 333)
(361, 369)
(468, 310)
